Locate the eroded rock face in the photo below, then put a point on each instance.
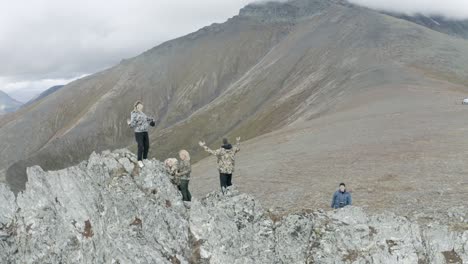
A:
(97, 212)
(234, 229)
(107, 210)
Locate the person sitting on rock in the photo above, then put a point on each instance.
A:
(341, 197)
(140, 123)
(183, 175)
(226, 160)
(171, 165)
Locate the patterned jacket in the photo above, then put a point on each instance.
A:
(139, 121)
(184, 170)
(172, 167)
(226, 157)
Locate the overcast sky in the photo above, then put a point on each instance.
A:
(49, 42)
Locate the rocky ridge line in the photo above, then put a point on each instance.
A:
(106, 210)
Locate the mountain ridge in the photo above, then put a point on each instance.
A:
(44, 94)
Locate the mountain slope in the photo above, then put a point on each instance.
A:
(395, 146)
(8, 104)
(173, 80)
(269, 67)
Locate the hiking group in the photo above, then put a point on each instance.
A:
(179, 171)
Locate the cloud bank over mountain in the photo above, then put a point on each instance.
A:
(454, 9)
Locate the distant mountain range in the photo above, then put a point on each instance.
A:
(273, 66)
(8, 104)
(44, 94)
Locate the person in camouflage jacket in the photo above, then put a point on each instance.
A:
(171, 165)
(183, 175)
(226, 160)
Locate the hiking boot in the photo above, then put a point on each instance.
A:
(140, 163)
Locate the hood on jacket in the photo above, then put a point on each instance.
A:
(227, 146)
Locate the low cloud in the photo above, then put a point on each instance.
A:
(452, 9)
(23, 91)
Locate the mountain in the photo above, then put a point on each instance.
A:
(44, 94)
(306, 75)
(106, 210)
(8, 104)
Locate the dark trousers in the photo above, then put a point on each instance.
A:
(143, 144)
(225, 180)
(183, 188)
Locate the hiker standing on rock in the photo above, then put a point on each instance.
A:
(140, 123)
(226, 160)
(341, 198)
(183, 174)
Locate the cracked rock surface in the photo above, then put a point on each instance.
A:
(107, 210)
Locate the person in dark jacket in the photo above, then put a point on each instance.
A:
(140, 123)
(341, 197)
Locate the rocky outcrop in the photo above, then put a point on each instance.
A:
(107, 210)
(285, 11)
(234, 229)
(98, 212)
